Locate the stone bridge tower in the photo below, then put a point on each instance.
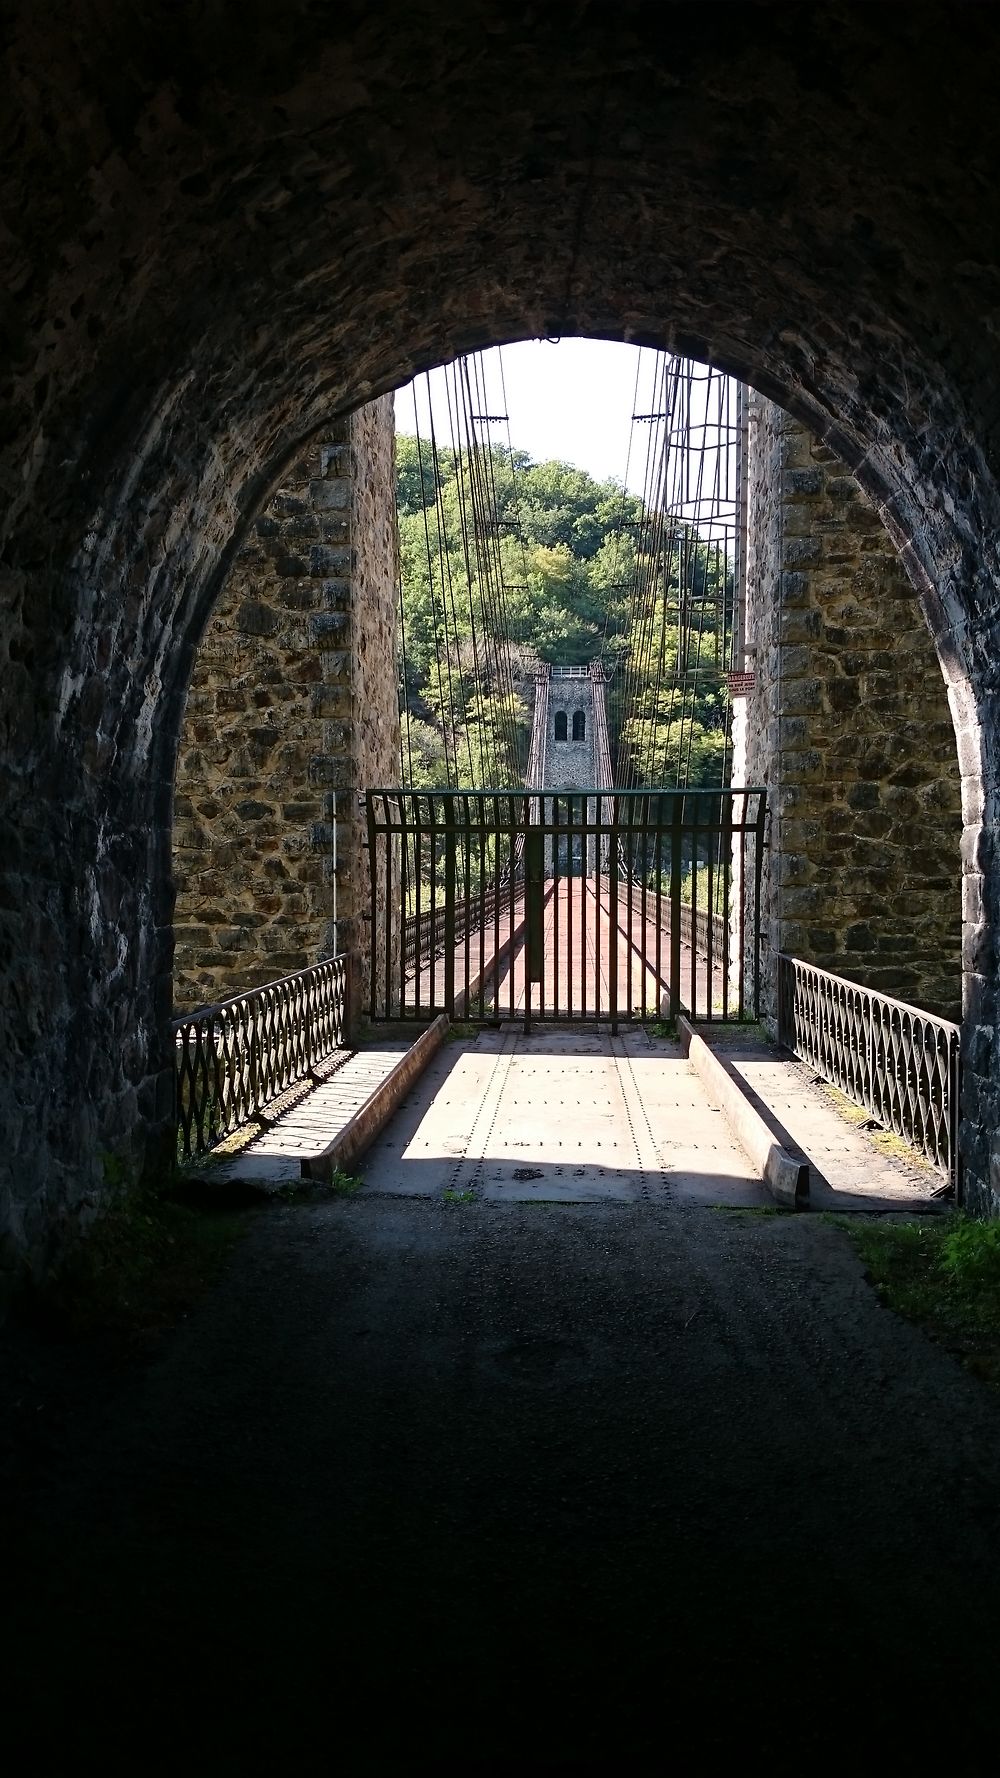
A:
(569, 744)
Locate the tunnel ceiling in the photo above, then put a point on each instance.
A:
(218, 232)
(305, 209)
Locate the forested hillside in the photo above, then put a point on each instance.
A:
(506, 563)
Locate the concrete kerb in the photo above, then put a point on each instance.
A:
(367, 1123)
(786, 1178)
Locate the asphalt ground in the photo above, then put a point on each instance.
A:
(431, 1485)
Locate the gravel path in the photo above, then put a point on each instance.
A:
(423, 1484)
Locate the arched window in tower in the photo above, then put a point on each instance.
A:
(579, 726)
(561, 725)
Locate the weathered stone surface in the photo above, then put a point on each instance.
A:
(215, 239)
(258, 783)
(849, 727)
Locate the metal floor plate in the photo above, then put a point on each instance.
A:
(561, 1116)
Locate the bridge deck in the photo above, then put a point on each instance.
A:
(584, 943)
(579, 1115)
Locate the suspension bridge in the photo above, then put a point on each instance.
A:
(574, 903)
(555, 884)
(573, 853)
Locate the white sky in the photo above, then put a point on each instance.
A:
(571, 399)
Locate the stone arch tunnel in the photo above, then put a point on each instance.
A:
(215, 238)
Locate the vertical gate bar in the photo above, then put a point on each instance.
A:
(593, 912)
(557, 953)
(418, 855)
(534, 852)
(404, 895)
(758, 871)
(653, 815)
(487, 883)
(387, 980)
(742, 958)
(430, 913)
(626, 825)
(727, 871)
(466, 843)
(676, 835)
(373, 900)
(583, 927)
(449, 906)
(522, 819)
(710, 905)
(433, 1002)
(696, 833)
(585, 860)
(604, 905)
(602, 914)
(644, 806)
(515, 871)
(440, 912)
(614, 911)
(627, 809)
(570, 965)
(707, 813)
(490, 864)
(541, 910)
(740, 829)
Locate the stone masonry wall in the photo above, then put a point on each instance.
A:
(849, 727)
(569, 764)
(292, 710)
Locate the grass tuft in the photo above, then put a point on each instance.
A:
(136, 1267)
(944, 1274)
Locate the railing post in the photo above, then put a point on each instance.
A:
(449, 906)
(613, 910)
(758, 871)
(955, 1111)
(373, 896)
(534, 911)
(676, 862)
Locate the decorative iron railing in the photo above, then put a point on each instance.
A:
(424, 936)
(901, 1063)
(234, 1058)
(701, 930)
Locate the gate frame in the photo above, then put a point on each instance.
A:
(523, 824)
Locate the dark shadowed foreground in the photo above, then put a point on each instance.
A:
(532, 1483)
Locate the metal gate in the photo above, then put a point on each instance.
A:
(572, 904)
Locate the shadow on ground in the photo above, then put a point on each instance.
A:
(421, 1483)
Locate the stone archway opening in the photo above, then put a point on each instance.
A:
(193, 303)
(292, 713)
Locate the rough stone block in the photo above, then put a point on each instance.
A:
(331, 493)
(802, 481)
(330, 627)
(329, 561)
